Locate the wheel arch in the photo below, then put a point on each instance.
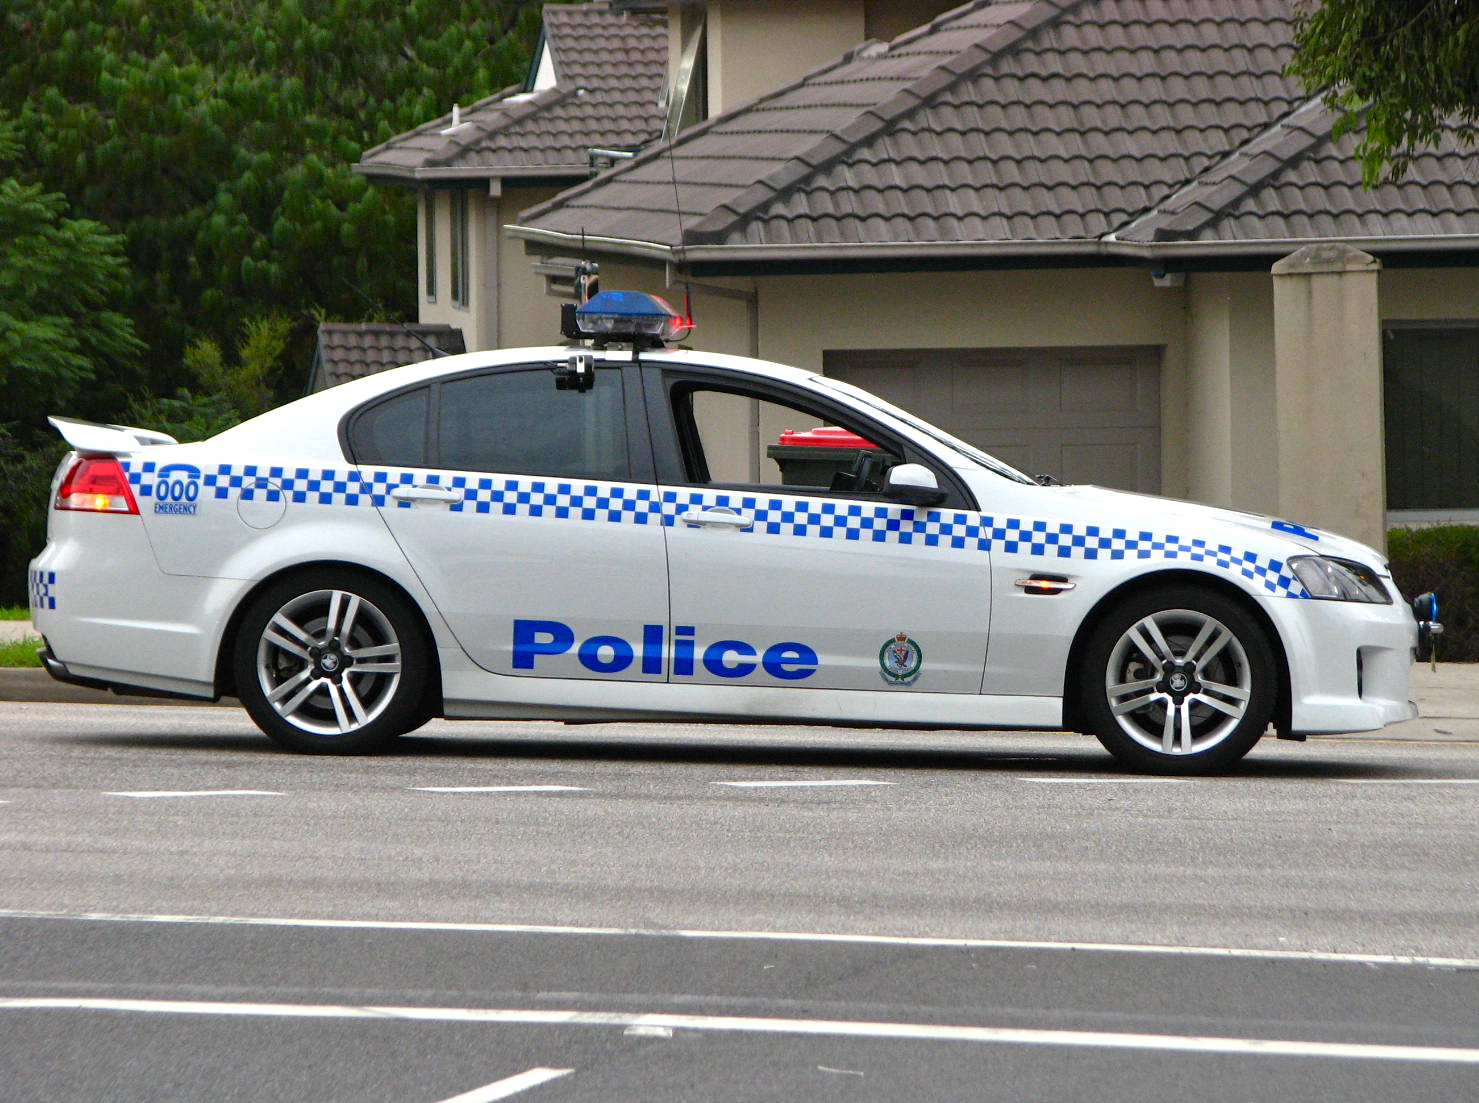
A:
(1073, 684)
(225, 677)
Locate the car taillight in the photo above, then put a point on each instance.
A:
(96, 484)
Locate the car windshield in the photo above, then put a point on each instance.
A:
(970, 451)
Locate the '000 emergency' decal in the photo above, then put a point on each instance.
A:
(821, 519)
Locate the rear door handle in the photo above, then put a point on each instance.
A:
(446, 495)
(720, 517)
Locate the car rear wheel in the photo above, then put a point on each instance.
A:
(332, 664)
(1179, 681)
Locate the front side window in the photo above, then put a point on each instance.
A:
(730, 437)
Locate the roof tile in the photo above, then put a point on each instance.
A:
(1059, 121)
(610, 73)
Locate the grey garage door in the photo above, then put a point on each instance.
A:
(1082, 415)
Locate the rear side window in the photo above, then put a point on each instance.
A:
(509, 422)
(393, 433)
(518, 422)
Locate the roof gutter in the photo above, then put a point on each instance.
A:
(1109, 247)
(412, 174)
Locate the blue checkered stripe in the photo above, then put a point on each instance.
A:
(1014, 536)
(822, 519)
(43, 589)
(249, 482)
(312, 485)
(508, 496)
(837, 520)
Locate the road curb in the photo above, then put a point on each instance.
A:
(36, 686)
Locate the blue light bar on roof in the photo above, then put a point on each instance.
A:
(629, 315)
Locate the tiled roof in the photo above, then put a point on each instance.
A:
(609, 69)
(1050, 126)
(348, 350)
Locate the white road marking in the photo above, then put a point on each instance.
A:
(500, 789)
(1107, 780)
(918, 941)
(146, 794)
(511, 1085)
(927, 1032)
(797, 784)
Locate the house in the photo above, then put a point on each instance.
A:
(592, 94)
(1108, 240)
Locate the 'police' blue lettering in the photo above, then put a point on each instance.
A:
(715, 653)
(620, 650)
(607, 654)
(790, 661)
(557, 640)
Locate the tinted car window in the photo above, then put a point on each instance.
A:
(392, 433)
(519, 422)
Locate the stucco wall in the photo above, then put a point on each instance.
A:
(526, 315)
(755, 48)
(803, 316)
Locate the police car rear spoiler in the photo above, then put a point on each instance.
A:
(89, 436)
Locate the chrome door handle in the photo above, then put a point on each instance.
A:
(450, 495)
(720, 517)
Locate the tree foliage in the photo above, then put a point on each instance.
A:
(176, 179)
(58, 280)
(218, 138)
(1407, 71)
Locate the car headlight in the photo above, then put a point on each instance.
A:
(1339, 579)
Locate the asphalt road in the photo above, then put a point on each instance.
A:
(542, 912)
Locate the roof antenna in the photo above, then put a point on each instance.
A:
(678, 210)
(379, 309)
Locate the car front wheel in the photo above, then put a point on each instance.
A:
(332, 665)
(1179, 681)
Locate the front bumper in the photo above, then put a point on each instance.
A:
(1350, 663)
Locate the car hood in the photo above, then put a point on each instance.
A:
(1154, 510)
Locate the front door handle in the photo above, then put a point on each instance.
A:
(720, 517)
(446, 495)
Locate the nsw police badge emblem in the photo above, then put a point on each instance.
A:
(901, 660)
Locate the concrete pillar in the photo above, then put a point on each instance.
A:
(1328, 391)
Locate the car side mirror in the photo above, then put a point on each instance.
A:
(913, 484)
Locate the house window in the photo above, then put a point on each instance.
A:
(429, 233)
(1431, 405)
(688, 89)
(460, 250)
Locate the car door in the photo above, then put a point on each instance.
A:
(527, 510)
(788, 566)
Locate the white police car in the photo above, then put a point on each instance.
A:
(617, 530)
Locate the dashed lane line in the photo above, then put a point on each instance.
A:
(510, 1085)
(150, 794)
(801, 784)
(500, 789)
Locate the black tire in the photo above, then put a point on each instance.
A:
(1179, 681)
(332, 663)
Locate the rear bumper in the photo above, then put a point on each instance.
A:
(62, 673)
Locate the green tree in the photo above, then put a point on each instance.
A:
(61, 348)
(58, 333)
(218, 138)
(1404, 70)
